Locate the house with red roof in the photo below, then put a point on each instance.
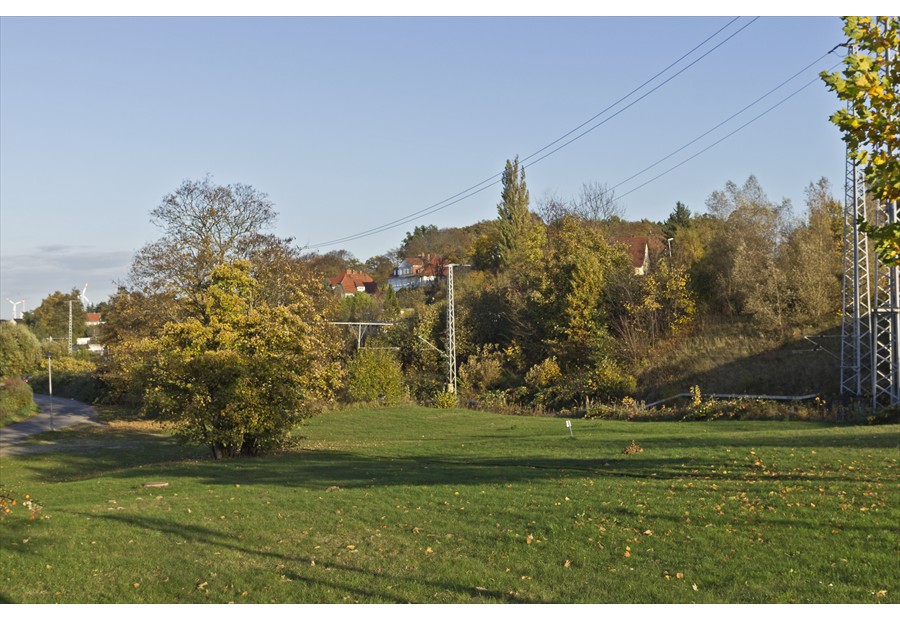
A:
(351, 282)
(638, 249)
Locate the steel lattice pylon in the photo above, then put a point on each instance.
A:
(856, 332)
(886, 322)
(451, 332)
(870, 333)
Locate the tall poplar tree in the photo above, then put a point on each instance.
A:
(519, 236)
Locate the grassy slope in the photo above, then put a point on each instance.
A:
(733, 358)
(453, 506)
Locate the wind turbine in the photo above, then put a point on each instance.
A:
(83, 296)
(14, 305)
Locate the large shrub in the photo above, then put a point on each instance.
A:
(374, 375)
(20, 351)
(16, 399)
(72, 377)
(482, 371)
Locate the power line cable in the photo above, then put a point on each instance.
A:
(492, 180)
(709, 131)
(635, 90)
(650, 92)
(722, 139)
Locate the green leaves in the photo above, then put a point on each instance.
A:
(870, 89)
(242, 373)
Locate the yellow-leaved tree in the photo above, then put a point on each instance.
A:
(240, 373)
(869, 85)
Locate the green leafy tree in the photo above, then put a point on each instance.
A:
(869, 85)
(20, 350)
(51, 318)
(678, 219)
(240, 373)
(419, 241)
(520, 233)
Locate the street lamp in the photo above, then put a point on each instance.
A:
(50, 386)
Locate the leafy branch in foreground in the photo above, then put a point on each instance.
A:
(869, 85)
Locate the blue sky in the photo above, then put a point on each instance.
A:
(350, 123)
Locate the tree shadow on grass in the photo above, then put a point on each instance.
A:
(597, 453)
(306, 569)
(321, 470)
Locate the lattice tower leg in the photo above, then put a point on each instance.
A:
(886, 323)
(856, 332)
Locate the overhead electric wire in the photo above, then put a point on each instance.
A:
(493, 179)
(709, 131)
(648, 93)
(633, 91)
(723, 138)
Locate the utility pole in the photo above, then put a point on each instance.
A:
(451, 329)
(886, 321)
(50, 385)
(70, 325)
(451, 332)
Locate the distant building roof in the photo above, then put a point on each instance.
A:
(351, 282)
(637, 248)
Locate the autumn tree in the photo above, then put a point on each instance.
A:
(20, 351)
(240, 373)
(374, 375)
(811, 258)
(203, 225)
(51, 318)
(869, 85)
(737, 272)
(651, 308)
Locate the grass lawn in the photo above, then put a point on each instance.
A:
(440, 506)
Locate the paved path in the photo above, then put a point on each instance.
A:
(65, 412)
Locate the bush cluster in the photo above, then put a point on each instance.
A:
(72, 378)
(700, 408)
(16, 398)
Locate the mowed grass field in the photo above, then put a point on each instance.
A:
(444, 506)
